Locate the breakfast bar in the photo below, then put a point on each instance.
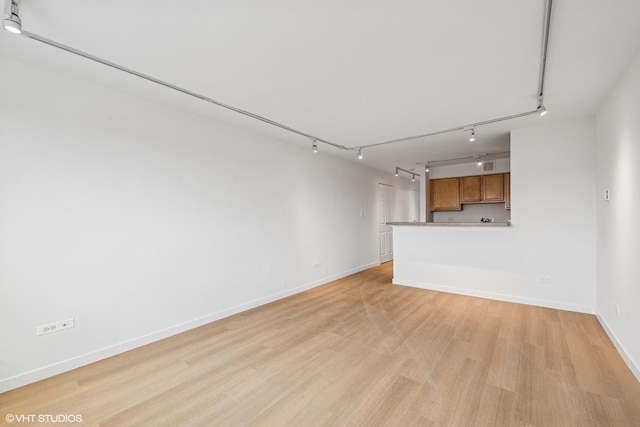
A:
(479, 259)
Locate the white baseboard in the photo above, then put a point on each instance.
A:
(623, 352)
(103, 353)
(495, 296)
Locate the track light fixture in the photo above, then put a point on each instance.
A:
(413, 174)
(473, 135)
(314, 145)
(474, 157)
(13, 23)
(541, 110)
(360, 156)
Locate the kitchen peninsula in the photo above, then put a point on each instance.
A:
(477, 259)
(453, 251)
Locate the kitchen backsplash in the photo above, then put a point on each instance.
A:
(474, 213)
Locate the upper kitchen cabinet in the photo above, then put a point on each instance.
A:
(444, 194)
(482, 188)
(470, 189)
(493, 188)
(449, 194)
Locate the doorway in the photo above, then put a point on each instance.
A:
(385, 215)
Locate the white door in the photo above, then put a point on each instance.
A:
(385, 209)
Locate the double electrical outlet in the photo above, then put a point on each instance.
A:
(50, 328)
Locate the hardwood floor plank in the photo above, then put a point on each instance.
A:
(358, 351)
(496, 407)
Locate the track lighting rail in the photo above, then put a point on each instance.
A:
(413, 174)
(174, 87)
(545, 48)
(474, 156)
(457, 128)
(14, 24)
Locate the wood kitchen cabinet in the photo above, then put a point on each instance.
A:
(444, 194)
(493, 188)
(449, 194)
(482, 188)
(470, 189)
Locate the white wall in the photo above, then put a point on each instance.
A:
(406, 199)
(552, 239)
(141, 221)
(618, 148)
(553, 205)
(468, 169)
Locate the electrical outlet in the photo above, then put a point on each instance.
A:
(317, 264)
(544, 280)
(50, 328)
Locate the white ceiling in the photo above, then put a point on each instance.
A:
(353, 72)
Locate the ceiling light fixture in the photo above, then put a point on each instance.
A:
(473, 135)
(426, 167)
(413, 174)
(465, 159)
(541, 110)
(13, 23)
(314, 145)
(479, 162)
(360, 156)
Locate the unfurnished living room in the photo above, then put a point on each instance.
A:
(364, 213)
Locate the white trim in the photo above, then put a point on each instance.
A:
(103, 353)
(634, 367)
(495, 296)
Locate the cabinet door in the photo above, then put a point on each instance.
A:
(493, 188)
(445, 194)
(470, 189)
(507, 191)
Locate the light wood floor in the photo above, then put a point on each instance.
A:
(358, 352)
